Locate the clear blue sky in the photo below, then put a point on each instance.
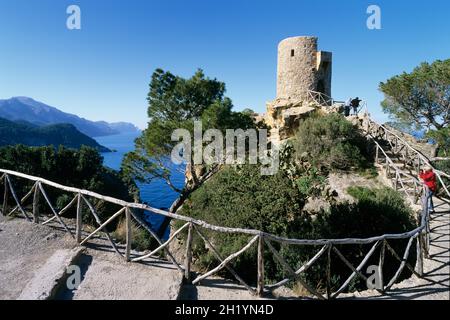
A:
(102, 71)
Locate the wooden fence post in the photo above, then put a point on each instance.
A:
(129, 236)
(427, 238)
(1, 208)
(376, 154)
(188, 261)
(329, 271)
(260, 278)
(36, 203)
(419, 248)
(388, 169)
(380, 265)
(396, 181)
(79, 226)
(418, 164)
(416, 193)
(5, 196)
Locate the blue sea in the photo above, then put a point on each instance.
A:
(157, 194)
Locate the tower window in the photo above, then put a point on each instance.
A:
(292, 52)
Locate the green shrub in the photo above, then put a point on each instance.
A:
(310, 183)
(81, 169)
(241, 197)
(331, 142)
(376, 212)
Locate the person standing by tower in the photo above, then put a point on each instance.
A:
(355, 105)
(347, 106)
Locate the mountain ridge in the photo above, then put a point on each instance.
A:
(27, 109)
(12, 133)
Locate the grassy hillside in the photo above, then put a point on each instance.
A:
(12, 133)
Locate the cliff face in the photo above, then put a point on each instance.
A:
(285, 115)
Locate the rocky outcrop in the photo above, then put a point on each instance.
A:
(285, 115)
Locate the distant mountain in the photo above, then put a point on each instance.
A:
(123, 127)
(26, 109)
(12, 133)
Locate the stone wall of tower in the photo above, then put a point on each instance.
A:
(302, 68)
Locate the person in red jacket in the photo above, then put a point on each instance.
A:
(429, 178)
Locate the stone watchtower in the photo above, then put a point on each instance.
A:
(301, 68)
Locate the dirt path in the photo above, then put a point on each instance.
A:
(24, 248)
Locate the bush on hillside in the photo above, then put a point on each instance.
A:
(376, 212)
(141, 240)
(241, 197)
(331, 142)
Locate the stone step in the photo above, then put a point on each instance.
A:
(51, 276)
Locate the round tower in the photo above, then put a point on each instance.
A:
(301, 68)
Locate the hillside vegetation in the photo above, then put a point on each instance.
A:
(81, 169)
(238, 196)
(12, 133)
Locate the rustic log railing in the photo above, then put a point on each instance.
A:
(398, 146)
(401, 181)
(408, 155)
(328, 247)
(320, 98)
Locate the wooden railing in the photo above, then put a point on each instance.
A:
(263, 241)
(320, 98)
(326, 101)
(408, 155)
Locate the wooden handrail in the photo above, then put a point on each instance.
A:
(421, 157)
